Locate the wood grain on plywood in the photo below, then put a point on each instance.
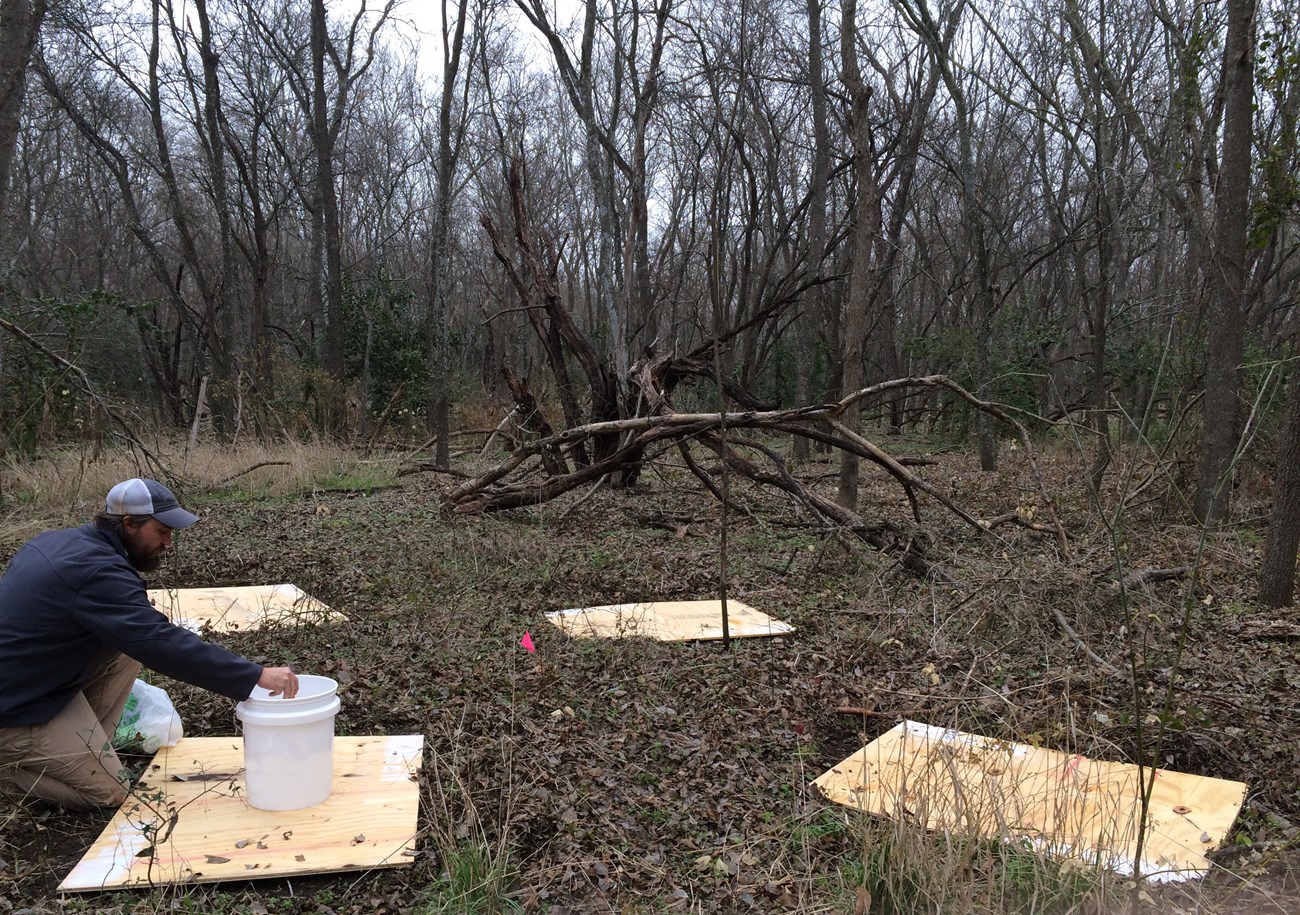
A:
(1068, 805)
(242, 608)
(669, 621)
(187, 820)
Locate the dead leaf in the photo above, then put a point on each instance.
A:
(862, 904)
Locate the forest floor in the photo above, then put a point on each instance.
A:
(639, 776)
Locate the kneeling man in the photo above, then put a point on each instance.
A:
(75, 626)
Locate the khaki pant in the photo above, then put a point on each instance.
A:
(70, 759)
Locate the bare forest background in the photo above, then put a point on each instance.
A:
(268, 220)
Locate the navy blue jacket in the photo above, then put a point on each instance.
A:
(70, 601)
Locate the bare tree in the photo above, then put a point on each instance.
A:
(1025, 201)
(938, 34)
(192, 267)
(323, 71)
(532, 266)
(20, 24)
(616, 144)
(451, 138)
(253, 130)
(814, 314)
(1227, 269)
(228, 343)
(1278, 563)
(866, 231)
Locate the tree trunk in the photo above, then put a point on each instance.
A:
(1099, 313)
(1227, 279)
(865, 232)
(438, 329)
(227, 354)
(329, 216)
(1277, 566)
(20, 23)
(539, 291)
(807, 323)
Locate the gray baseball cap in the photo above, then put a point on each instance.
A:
(148, 497)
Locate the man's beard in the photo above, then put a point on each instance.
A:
(140, 560)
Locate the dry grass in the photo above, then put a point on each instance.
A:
(468, 830)
(67, 486)
(908, 870)
(957, 841)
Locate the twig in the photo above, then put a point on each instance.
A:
(427, 444)
(1069, 630)
(87, 386)
(872, 713)
(1003, 413)
(598, 485)
(200, 404)
(1017, 518)
(509, 418)
(1150, 576)
(236, 476)
(907, 480)
(431, 467)
(383, 418)
(701, 474)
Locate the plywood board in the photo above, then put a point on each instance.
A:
(241, 608)
(668, 621)
(369, 820)
(1069, 806)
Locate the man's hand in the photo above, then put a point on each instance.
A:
(277, 680)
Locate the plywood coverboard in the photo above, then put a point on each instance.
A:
(668, 621)
(369, 820)
(241, 608)
(1069, 806)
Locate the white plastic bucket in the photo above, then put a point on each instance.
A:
(289, 745)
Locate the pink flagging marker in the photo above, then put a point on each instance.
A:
(527, 641)
(1071, 767)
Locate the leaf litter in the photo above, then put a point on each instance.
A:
(675, 776)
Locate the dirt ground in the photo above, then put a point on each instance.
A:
(638, 776)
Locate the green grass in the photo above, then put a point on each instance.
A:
(476, 880)
(360, 478)
(909, 871)
(807, 836)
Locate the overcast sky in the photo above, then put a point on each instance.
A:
(420, 21)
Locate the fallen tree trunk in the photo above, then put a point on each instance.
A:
(511, 485)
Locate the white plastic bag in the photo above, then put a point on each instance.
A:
(148, 720)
